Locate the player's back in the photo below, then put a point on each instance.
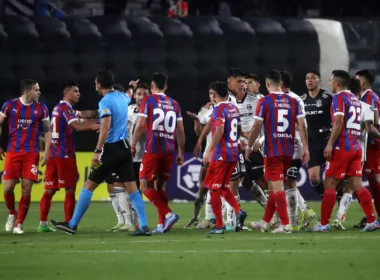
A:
(24, 124)
(227, 115)
(302, 104)
(346, 104)
(162, 113)
(373, 100)
(279, 113)
(62, 134)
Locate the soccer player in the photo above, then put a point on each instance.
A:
(112, 155)
(293, 195)
(344, 153)
(252, 85)
(160, 118)
(279, 113)
(61, 170)
(372, 164)
(366, 128)
(317, 108)
(27, 119)
(223, 155)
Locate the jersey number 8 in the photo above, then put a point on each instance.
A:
(164, 122)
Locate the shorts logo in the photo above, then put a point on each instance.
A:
(141, 167)
(61, 181)
(34, 169)
(367, 171)
(358, 172)
(343, 175)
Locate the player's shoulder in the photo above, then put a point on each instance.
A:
(251, 97)
(10, 101)
(326, 94)
(366, 106)
(132, 106)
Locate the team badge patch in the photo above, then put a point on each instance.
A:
(318, 103)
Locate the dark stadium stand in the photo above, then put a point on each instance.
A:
(192, 51)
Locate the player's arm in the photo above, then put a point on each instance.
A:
(219, 130)
(47, 136)
(180, 131)
(304, 139)
(104, 130)
(139, 131)
(83, 125)
(336, 129)
(205, 131)
(255, 132)
(2, 119)
(88, 114)
(197, 122)
(131, 87)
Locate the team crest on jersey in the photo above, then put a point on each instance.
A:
(249, 107)
(318, 103)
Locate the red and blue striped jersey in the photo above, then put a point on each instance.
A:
(25, 124)
(162, 114)
(347, 105)
(373, 100)
(279, 113)
(62, 134)
(227, 115)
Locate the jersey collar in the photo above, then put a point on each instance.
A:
(242, 101)
(25, 104)
(223, 102)
(160, 93)
(365, 92)
(277, 92)
(63, 101)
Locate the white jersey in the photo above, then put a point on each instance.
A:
(132, 121)
(366, 114)
(204, 116)
(232, 98)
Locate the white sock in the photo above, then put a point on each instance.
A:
(291, 199)
(259, 195)
(343, 206)
(125, 204)
(301, 202)
(116, 208)
(231, 215)
(208, 209)
(224, 207)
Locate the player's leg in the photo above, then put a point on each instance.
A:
(68, 177)
(236, 175)
(125, 205)
(374, 183)
(344, 204)
(290, 186)
(115, 206)
(207, 222)
(314, 170)
(367, 170)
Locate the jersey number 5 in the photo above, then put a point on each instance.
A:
(164, 122)
(282, 121)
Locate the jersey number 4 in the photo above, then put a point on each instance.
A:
(164, 122)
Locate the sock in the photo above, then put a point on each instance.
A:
(292, 198)
(343, 206)
(375, 188)
(116, 208)
(198, 203)
(270, 208)
(366, 204)
(328, 202)
(216, 204)
(259, 195)
(165, 198)
(82, 206)
(230, 198)
(318, 187)
(231, 215)
(157, 200)
(45, 204)
(208, 208)
(69, 205)
(224, 207)
(340, 191)
(10, 202)
(281, 207)
(23, 209)
(125, 204)
(139, 206)
(301, 202)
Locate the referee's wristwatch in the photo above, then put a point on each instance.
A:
(97, 151)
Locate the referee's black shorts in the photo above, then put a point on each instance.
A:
(117, 164)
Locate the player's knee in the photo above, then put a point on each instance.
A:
(50, 192)
(90, 185)
(110, 188)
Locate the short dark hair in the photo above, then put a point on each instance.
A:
(286, 79)
(274, 75)
(221, 88)
(367, 75)
(354, 86)
(160, 80)
(105, 78)
(235, 72)
(27, 84)
(67, 85)
(143, 86)
(343, 76)
(118, 87)
(253, 77)
(315, 72)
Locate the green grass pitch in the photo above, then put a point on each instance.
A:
(184, 254)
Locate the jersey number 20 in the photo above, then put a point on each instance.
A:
(164, 122)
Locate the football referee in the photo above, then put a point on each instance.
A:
(112, 157)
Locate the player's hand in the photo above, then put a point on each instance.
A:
(192, 115)
(96, 160)
(2, 154)
(208, 105)
(305, 157)
(96, 127)
(206, 158)
(134, 83)
(248, 154)
(45, 158)
(133, 151)
(197, 150)
(328, 151)
(256, 146)
(180, 159)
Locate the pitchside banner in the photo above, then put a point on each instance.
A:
(183, 185)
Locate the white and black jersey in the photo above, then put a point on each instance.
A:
(247, 108)
(133, 113)
(232, 98)
(366, 115)
(318, 118)
(204, 116)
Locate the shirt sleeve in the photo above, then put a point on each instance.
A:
(260, 110)
(338, 105)
(45, 112)
(218, 116)
(70, 115)
(371, 100)
(5, 109)
(104, 108)
(368, 114)
(144, 107)
(300, 111)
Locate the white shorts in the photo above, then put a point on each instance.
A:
(297, 149)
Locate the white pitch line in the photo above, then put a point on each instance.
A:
(308, 238)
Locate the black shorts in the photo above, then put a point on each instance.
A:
(116, 164)
(136, 171)
(316, 158)
(294, 170)
(239, 170)
(255, 166)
